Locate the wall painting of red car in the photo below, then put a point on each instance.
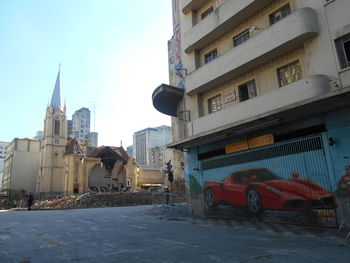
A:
(260, 189)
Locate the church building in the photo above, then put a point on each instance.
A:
(51, 171)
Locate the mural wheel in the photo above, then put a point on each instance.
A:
(254, 201)
(209, 197)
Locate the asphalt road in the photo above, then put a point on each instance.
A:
(139, 234)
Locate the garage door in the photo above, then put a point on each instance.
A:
(286, 182)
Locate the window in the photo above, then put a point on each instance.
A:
(240, 38)
(207, 12)
(342, 45)
(57, 127)
(76, 169)
(289, 73)
(247, 90)
(214, 104)
(210, 56)
(280, 14)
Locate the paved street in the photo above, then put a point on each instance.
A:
(139, 234)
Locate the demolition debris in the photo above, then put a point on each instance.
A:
(89, 200)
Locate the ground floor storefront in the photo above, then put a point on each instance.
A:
(296, 172)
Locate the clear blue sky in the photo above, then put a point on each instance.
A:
(112, 52)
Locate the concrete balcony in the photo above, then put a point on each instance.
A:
(273, 103)
(165, 99)
(276, 40)
(222, 20)
(190, 5)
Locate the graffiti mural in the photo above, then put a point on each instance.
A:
(174, 49)
(285, 182)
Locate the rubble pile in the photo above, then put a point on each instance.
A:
(89, 200)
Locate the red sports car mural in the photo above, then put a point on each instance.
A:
(260, 189)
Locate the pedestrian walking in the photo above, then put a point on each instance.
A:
(167, 195)
(30, 200)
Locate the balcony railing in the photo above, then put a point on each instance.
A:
(276, 40)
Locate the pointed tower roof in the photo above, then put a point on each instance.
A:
(56, 95)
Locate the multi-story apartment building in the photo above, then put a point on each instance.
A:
(261, 86)
(148, 138)
(80, 127)
(81, 124)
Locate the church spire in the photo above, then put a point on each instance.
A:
(56, 95)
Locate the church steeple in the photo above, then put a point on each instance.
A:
(56, 95)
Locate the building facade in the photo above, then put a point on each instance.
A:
(3, 146)
(21, 166)
(92, 139)
(261, 89)
(70, 128)
(129, 150)
(81, 124)
(148, 138)
(52, 165)
(159, 156)
(39, 136)
(80, 127)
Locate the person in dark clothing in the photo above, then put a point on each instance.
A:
(30, 200)
(167, 195)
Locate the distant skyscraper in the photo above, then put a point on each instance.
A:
(81, 128)
(70, 128)
(148, 138)
(92, 139)
(129, 150)
(81, 124)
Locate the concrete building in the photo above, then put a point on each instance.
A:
(159, 156)
(39, 136)
(254, 85)
(21, 166)
(148, 138)
(3, 146)
(70, 128)
(81, 124)
(92, 139)
(81, 127)
(129, 150)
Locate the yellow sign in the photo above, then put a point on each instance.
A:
(250, 143)
(261, 141)
(236, 146)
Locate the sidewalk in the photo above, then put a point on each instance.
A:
(181, 212)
